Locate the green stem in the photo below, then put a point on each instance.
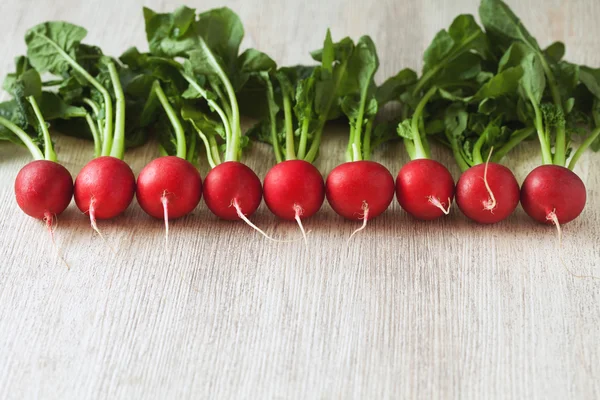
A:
(273, 120)
(49, 153)
(410, 148)
(24, 137)
(583, 147)
(214, 148)
(233, 151)
(516, 138)
(539, 126)
(204, 139)
(420, 151)
(349, 149)
(191, 151)
(179, 131)
(290, 146)
(108, 127)
(456, 151)
(96, 110)
(560, 145)
(314, 147)
(477, 157)
(213, 104)
(118, 144)
(95, 135)
(303, 138)
(367, 141)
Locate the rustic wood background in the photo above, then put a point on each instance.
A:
(445, 309)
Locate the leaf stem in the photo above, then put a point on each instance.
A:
(303, 138)
(233, 147)
(118, 145)
(477, 157)
(24, 137)
(539, 126)
(273, 120)
(49, 153)
(177, 127)
(95, 135)
(560, 146)
(516, 138)
(367, 140)
(290, 146)
(420, 151)
(583, 147)
(213, 104)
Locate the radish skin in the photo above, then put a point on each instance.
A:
(232, 186)
(552, 194)
(43, 189)
(294, 188)
(170, 183)
(104, 188)
(360, 190)
(425, 189)
(487, 193)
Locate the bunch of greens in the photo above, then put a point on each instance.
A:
(301, 99)
(88, 99)
(202, 89)
(483, 90)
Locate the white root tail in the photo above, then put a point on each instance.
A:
(436, 202)
(92, 212)
(240, 214)
(49, 218)
(299, 211)
(165, 203)
(489, 204)
(365, 217)
(554, 218)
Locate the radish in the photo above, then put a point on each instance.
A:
(232, 191)
(487, 193)
(424, 187)
(552, 194)
(294, 188)
(170, 187)
(43, 188)
(105, 186)
(360, 190)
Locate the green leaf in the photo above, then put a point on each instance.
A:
(394, 86)
(404, 130)
(44, 42)
(170, 34)
(533, 82)
(503, 25)
(504, 83)
(223, 32)
(555, 52)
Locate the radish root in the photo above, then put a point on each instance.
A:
(552, 217)
(48, 220)
(436, 202)
(165, 204)
(490, 204)
(92, 212)
(299, 211)
(240, 214)
(365, 217)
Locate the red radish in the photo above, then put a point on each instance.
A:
(487, 193)
(169, 187)
(43, 189)
(232, 191)
(294, 189)
(425, 189)
(360, 190)
(104, 188)
(552, 194)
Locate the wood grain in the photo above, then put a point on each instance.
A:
(446, 309)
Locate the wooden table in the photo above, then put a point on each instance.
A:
(444, 309)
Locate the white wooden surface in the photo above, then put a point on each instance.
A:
(445, 309)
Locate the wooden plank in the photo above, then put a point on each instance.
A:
(445, 309)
